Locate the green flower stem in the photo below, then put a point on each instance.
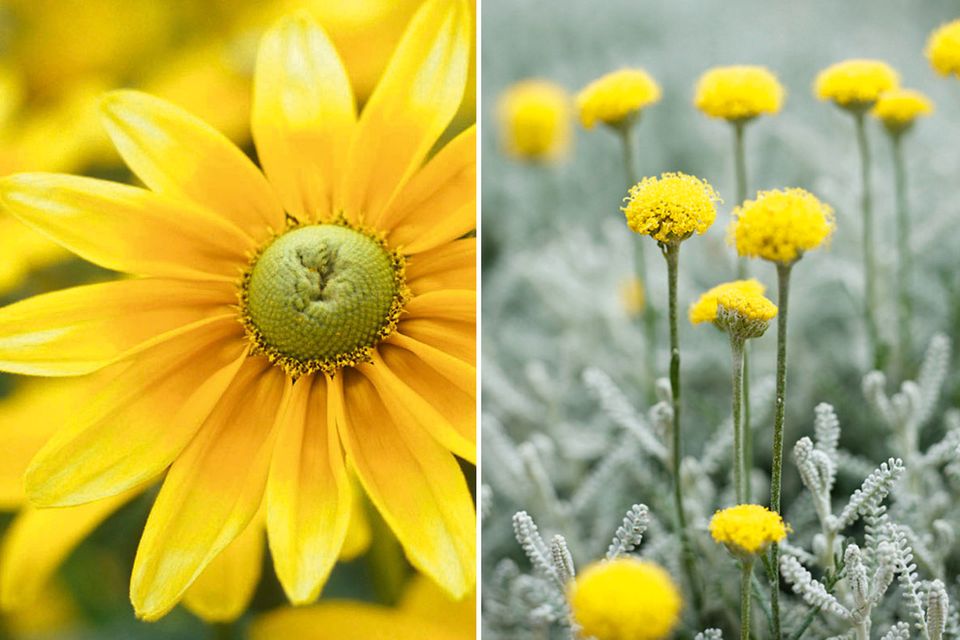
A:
(776, 473)
(904, 303)
(747, 429)
(649, 314)
(739, 454)
(740, 167)
(877, 351)
(746, 570)
(671, 252)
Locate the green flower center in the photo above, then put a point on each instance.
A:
(320, 297)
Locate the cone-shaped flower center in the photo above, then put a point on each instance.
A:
(320, 297)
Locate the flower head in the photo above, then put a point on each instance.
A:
(747, 529)
(633, 296)
(943, 49)
(534, 120)
(617, 97)
(855, 84)
(781, 225)
(898, 108)
(261, 343)
(738, 307)
(625, 599)
(672, 207)
(738, 93)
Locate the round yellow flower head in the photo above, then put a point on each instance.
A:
(747, 529)
(856, 84)
(738, 92)
(617, 97)
(738, 307)
(672, 207)
(943, 49)
(781, 225)
(898, 108)
(625, 599)
(633, 296)
(535, 120)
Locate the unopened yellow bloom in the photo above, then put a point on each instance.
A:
(898, 108)
(781, 225)
(535, 120)
(747, 529)
(625, 599)
(739, 92)
(943, 49)
(855, 84)
(617, 97)
(672, 207)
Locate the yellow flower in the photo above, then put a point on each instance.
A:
(617, 97)
(738, 92)
(855, 84)
(898, 108)
(744, 297)
(781, 225)
(672, 207)
(633, 296)
(747, 529)
(534, 120)
(625, 599)
(943, 49)
(423, 613)
(244, 408)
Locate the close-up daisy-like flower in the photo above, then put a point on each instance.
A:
(279, 332)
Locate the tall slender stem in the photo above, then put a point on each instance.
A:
(649, 314)
(776, 473)
(746, 429)
(746, 570)
(877, 351)
(740, 164)
(740, 168)
(671, 252)
(904, 305)
(736, 349)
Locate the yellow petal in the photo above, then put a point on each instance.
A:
(224, 590)
(415, 484)
(423, 398)
(126, 228)
(449, 266)
(303, 115)
(359, 534)
(144, 414)
(308, 494)
(458, 305)
(80, 330)
(413, 103)
(439, 204)
(40, 539)
(422, 599)
(456, 338)
(177, 154)
(212, 491)
(28, 417)
(345, 620)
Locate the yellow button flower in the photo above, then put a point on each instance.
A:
(738, 307)
(534, 120)
(781, 225)
(943, 49)
(738, 92)
(855, 84)
(672, 207)
(625, 599)
(246, 426)
(705, 308)
(898, 108)
(747, 529)
(616, 98)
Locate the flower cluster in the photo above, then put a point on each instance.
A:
(897, 109)
(943, 49)
(535, 120)
(625, 599)
(738, 307)
(672, 207)
(739, 92)
(617, 97)
(781, 225)
(855, 84)
(747, 529)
